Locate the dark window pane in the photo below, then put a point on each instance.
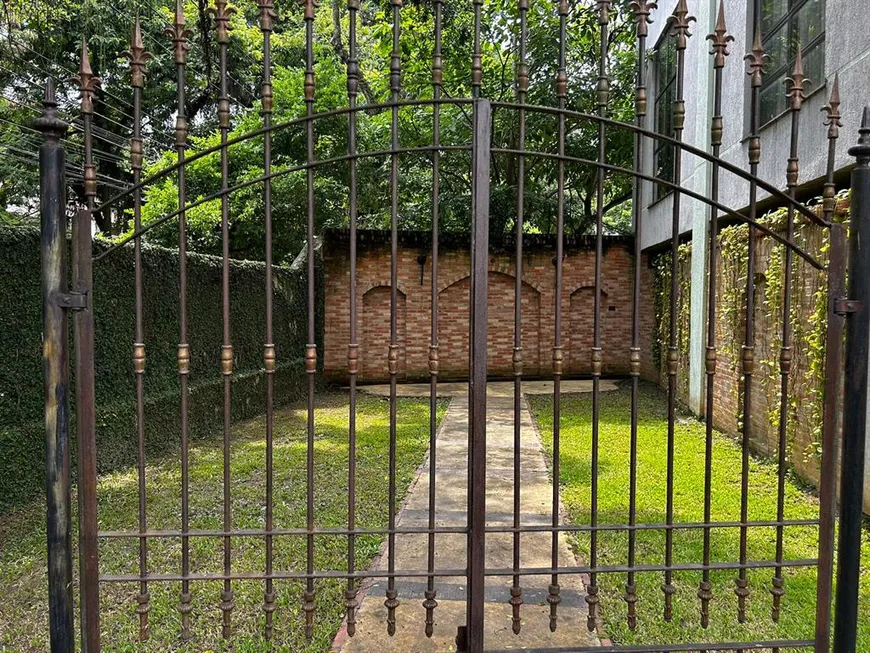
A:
(809, 23)
(814, 66)
(772, 12)
(773, 99)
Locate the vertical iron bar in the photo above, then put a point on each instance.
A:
(756, 61)
(679, 24)
(83, 327)
(267, 17)
(592, 598)
(429, 602)
(553, 597)
(308, 605)
(350, 599)
(52, 201)
(522, 73)
(642, 10)
(833, 382)
(222, 15)
(797, 96)
(477, 375)
(855, 402)
(719, 49)
(180, 35)
(138, 58)
(391, 602)
(477, 54)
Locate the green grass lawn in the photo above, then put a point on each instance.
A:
(23, 617)
(798, 610)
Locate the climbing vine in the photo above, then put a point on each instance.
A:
(807, 317)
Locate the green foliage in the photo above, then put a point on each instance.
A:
(22, 535)
(21, 404)
(799, 604)
(53, 40)
(807, 319)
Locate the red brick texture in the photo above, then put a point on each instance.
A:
(538, 307)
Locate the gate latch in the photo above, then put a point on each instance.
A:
(843, 306)
(72, 301)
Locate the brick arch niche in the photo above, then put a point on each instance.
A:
(453, 327)
(375, 334)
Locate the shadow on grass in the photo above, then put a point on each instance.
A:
(23, 620)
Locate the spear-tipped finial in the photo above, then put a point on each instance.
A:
(604, 7)
(180, 34)
(680, 21)
(87, 82)
(862, 150)
(756, 59)
(222, 12)
(52, 127)
(311, 7)
(797, 83)
(642, 10)
(832, 110)
(137, 54)
(268, 14)
(720, 38)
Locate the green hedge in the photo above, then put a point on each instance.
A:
(21, 401)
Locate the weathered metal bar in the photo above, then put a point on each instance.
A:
(477, 53)
(679, 25)
(756, 61)
(592, 598)
(855, 401)
(719, 49)
(391, 602)
(222, 14)
(138, 58)
(495, 572)
(83, 334)
(430, 602)
(522, 74)
(180, 35)
(477, 377)
(832, 411)
(553, 590)
(55, 361)
(308, 605)
(642, 9)
(458, 530)
(797, 96)
(267, 18)
(350, 601)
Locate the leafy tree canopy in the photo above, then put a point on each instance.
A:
(41, 42)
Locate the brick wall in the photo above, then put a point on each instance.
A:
(538, 306)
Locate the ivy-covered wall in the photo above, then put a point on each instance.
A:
(808, 320)
(21, 375)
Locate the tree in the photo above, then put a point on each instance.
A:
(500, 27)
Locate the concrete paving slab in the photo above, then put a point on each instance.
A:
(451, 453)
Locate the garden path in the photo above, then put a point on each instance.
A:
(450, 549)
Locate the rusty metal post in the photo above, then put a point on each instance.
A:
(83, 335)
(477, 377)
(857, 310)
(55, 356)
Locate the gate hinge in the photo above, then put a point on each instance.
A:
(843, 306)
(72, 301)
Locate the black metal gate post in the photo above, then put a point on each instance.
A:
(477, 377)
(857, 309)
(52, 203)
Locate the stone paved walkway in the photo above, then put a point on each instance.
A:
(450, 553)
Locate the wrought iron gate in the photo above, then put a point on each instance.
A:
(846, 312)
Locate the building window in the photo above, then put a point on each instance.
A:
(787, 25)
(665, 67)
